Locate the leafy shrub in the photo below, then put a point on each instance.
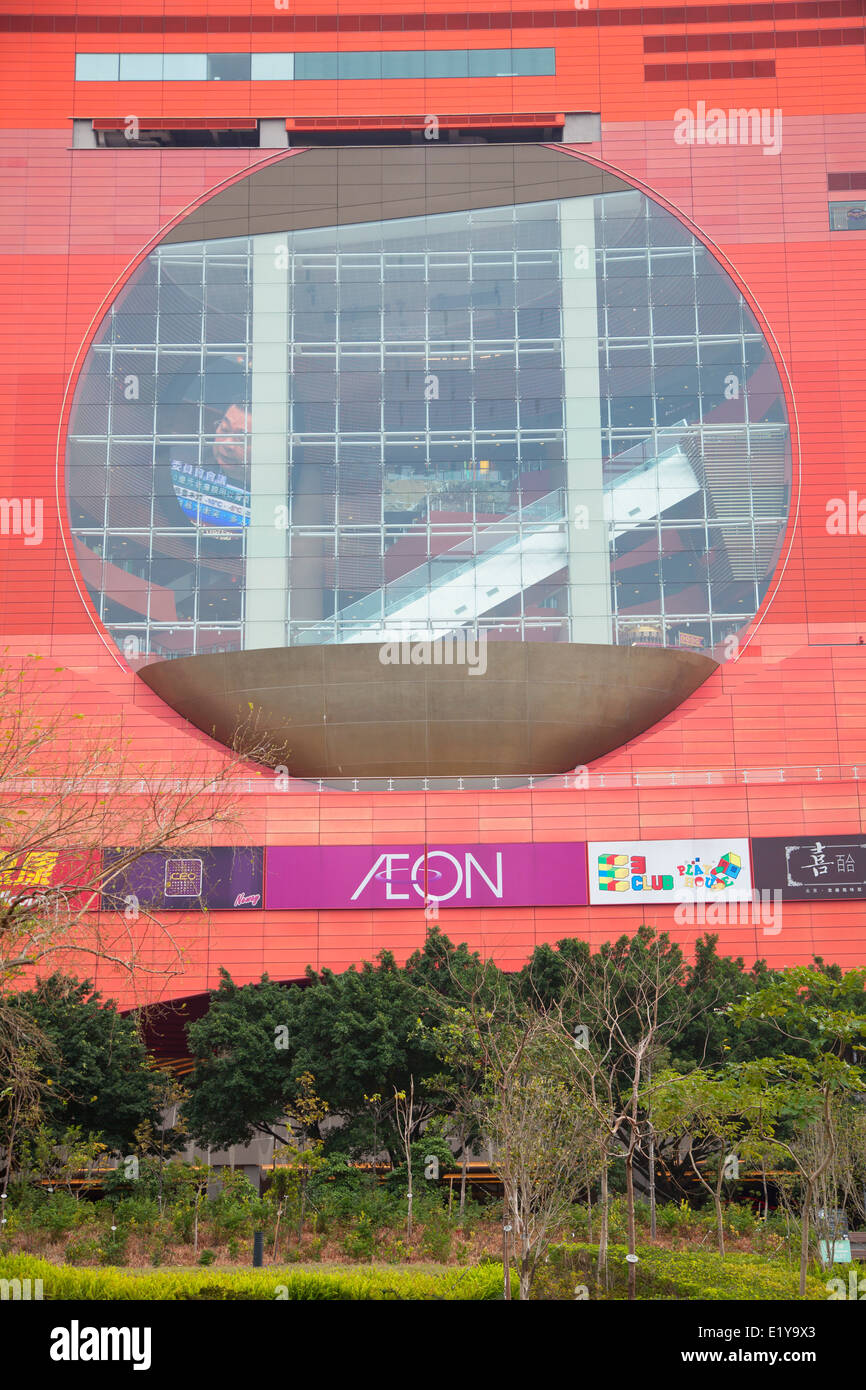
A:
(740, 1219)
(79, 1252)
(395, 1252)
(360, 1240)
(207, 1257)
(183, 1221)
(137, 1211)
(674, 1218)
(112, 1251)
(438, 1232)
(577, 1221)
(60, 1214)
(617, 1219)
(642, 1211)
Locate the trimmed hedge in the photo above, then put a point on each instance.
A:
(675, 1274)
(66, 1282)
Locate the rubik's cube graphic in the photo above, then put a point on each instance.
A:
(726, 872)
(615, 871)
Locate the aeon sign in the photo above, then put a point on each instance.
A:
(425, 879)
(407, 876)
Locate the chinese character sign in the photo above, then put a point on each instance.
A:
(49, 874)
(822, 866)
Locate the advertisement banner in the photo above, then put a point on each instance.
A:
(825, 866)
(217, 878)
(669, 871)
(55, 874)
(377, 876)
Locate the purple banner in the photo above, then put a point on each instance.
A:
(216, 877)
(377, 876)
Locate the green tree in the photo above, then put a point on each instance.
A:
(356, 1033)
(829, 1008)
(528, 1101)
(727, 1114)
(245, 1049)
(359, 1034)
(96, 1074)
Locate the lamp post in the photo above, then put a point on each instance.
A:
(506, 1281)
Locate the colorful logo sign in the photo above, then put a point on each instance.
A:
(669, 870)
(826, 866)
(410, 876)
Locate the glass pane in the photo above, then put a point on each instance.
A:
(848, 216)
(534, 62)
(272, 67)
(490, 62)
(228, 67)
(185, 67)
(141, 67)
(403, 65)
(445, 63)
(316, 67)
(360, 65)
(96, 67)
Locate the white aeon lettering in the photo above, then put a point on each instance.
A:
(386, 860)
(441, 854)
(493, 878)
(495, 888)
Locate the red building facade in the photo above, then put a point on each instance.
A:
(773, 743)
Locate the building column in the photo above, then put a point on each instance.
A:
(267, 582)
(588, 543)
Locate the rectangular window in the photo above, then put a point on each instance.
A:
(848, 216)
(272, 67)
(534, 62)
(490, 62)
(403, 65)
(141, 67)
(228, 67)
(360, 65)
(446, 63)
(184, 67)
(96, 67)
(315, 67)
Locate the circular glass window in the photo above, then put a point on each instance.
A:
(547, 418)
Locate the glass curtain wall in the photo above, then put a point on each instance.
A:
(552, 421)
